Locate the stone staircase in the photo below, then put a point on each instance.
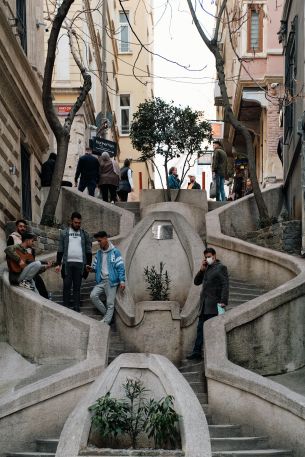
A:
(134, 207)
(242, 291)
(226, 439)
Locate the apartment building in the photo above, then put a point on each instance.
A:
(121, 77)
(254, 73)
(291, 37)
(23, 129)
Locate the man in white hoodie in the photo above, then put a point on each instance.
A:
(109, 271)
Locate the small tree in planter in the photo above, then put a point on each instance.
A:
(158, 283)
(134, 415)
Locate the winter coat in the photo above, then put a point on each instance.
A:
(173, 182)
(107, 173)
(124, 182)
(215, 287)
(116, 268)
(47, 170)
(219, 165)
(87, 168)
(63, 245)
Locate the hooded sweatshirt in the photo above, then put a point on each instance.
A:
(108, 265)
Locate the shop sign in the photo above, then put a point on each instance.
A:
(99, 145)
(63, 110)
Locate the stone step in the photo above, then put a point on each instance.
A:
(198, 387)
(245, 296)
(244, 285)
(192, 363)
(192, 366)
(47, 445)
(193, 376)
(31, 454)
(246, 288)
(202, 397)
(239, 443)
(224, 431)
(254, 453)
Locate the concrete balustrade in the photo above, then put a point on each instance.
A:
(174, 321)
(265, 335)
(161, 378)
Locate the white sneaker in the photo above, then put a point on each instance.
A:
(26, 284)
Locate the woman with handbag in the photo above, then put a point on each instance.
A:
(126, 183)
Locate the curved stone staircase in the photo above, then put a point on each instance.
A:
(226, 439)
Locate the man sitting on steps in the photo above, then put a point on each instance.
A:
(22, 264)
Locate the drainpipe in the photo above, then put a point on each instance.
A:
(104, 124)
(302, 132)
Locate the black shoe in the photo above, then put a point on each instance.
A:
(194, 356)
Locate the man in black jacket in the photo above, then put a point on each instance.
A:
(214, 294)
(88, 169)
(47, 170)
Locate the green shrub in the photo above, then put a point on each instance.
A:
(135, 415)
(158, 283)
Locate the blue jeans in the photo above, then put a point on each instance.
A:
(103, 298)
(220, 188)
(199, 338)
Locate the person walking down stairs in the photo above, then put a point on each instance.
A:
(214, 296)
(109, 271)
(74, 253)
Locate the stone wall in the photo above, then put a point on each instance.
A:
(47, 237)
(282, 236)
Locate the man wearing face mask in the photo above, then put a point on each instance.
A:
(213, 276)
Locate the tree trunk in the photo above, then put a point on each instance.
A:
(242, 129)
(167, 193)
(229, 115)
(48, 214)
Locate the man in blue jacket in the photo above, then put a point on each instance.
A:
(109, 271)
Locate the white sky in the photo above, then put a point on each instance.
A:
(176, 38)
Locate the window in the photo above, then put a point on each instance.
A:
(124, 45)
(255, 28)
(21, 23)
(125, 113)
(290, 78)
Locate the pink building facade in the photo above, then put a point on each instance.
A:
(254, 73)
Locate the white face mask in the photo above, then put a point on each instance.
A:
(210, 260)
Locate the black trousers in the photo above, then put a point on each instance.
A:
(106, 189)
(72, 276)
(199, 338)
(40, 286)
(123, 194)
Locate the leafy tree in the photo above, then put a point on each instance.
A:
(170, 131)
(214, 46)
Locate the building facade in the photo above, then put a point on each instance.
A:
(254, 75)
(291, 36)
(24, 135)
(109, 50)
